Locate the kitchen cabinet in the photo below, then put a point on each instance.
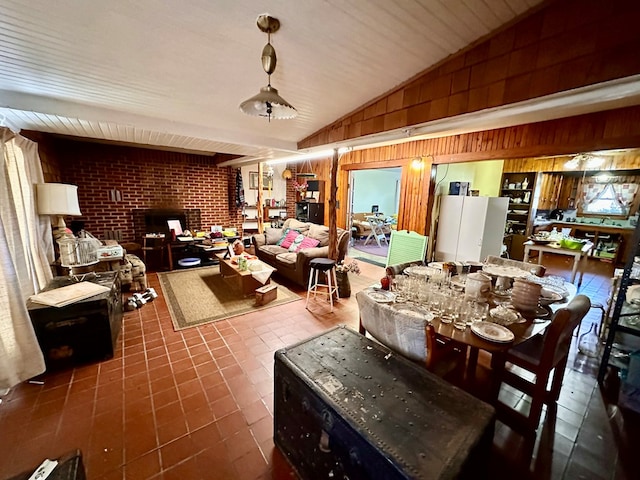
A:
(470, 228)
(549, 190)
(612, 243)
(519, 188)
(623, 337)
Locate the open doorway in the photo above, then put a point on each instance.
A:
(373, 210)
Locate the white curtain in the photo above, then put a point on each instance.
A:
(26, 251)
(591, 191)
(625, 193)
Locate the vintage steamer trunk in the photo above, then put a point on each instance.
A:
(80, 332)
(345, 407)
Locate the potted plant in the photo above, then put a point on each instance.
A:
(342, 276)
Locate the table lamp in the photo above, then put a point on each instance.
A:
(57, 199)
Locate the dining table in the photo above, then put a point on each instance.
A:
(579, 255)
(401, 327)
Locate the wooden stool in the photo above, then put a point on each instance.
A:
(327, 266)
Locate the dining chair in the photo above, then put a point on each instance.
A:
(445, 359)
(539, 356)
(538, 270)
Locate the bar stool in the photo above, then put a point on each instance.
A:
(327, 266)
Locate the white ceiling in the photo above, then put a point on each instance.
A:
(172, 73)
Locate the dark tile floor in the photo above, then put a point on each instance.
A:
(199, 403)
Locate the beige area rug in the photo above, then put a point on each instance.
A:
(200, 295)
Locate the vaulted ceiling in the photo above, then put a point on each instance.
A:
(172, 74)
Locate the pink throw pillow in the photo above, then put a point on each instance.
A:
(308, 242)
(288, 240)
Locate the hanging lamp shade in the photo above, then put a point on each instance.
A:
(268, 103)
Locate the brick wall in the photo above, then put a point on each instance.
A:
(140, 179)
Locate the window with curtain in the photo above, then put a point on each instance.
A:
(26, 251)
(612, 199)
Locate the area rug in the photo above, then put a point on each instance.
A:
(372, 248)
(197, 296)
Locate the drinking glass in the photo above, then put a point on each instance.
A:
(450, 309)
(436, 301)
(479, 312)
(462, 313)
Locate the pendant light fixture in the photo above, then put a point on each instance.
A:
(267, 103)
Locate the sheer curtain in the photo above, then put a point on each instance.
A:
(26, 251)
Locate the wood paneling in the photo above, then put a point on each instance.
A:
(594, 42)
(521, 146)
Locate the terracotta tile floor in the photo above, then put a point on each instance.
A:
(199, 403)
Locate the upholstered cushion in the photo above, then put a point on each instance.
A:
(284, 235)
(289, 238)
(273, 250)
(288, 258)
(320, 233)
(302, 227)
(273, 235)
(308, 242)
(295, 245)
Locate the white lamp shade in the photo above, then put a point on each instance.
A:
(57, 199)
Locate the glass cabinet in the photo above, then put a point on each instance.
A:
(623, 337)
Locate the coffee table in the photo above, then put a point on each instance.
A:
(241, 281)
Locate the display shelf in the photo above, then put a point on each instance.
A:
(520, 200)
(624, 329)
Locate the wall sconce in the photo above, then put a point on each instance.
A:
(417, 163)
(57, 199)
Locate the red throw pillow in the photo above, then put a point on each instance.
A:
(290, 237)
(308, 242)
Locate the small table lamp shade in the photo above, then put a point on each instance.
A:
(57, 199)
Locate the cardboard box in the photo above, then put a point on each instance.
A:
(266, 294)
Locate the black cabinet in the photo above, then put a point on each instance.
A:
(83, 331)
(310, 212)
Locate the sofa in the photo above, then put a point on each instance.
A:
(292, 262)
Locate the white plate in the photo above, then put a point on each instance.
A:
(381, 296)
(421, 271)
(548, 296)
(505, 271)
(493, 332)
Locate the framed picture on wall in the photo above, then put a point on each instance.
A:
(253, 181)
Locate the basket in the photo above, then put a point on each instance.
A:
(571, 244)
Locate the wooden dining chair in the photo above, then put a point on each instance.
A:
(446, 359)
(540, 355)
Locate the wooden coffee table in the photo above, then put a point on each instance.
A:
(241, 281)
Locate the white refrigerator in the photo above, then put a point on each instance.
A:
(470, 228)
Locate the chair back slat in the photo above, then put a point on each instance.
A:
(558, 335)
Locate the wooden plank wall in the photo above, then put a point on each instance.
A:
(560, 46)
(522, 146)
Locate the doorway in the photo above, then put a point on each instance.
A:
(373, 192)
